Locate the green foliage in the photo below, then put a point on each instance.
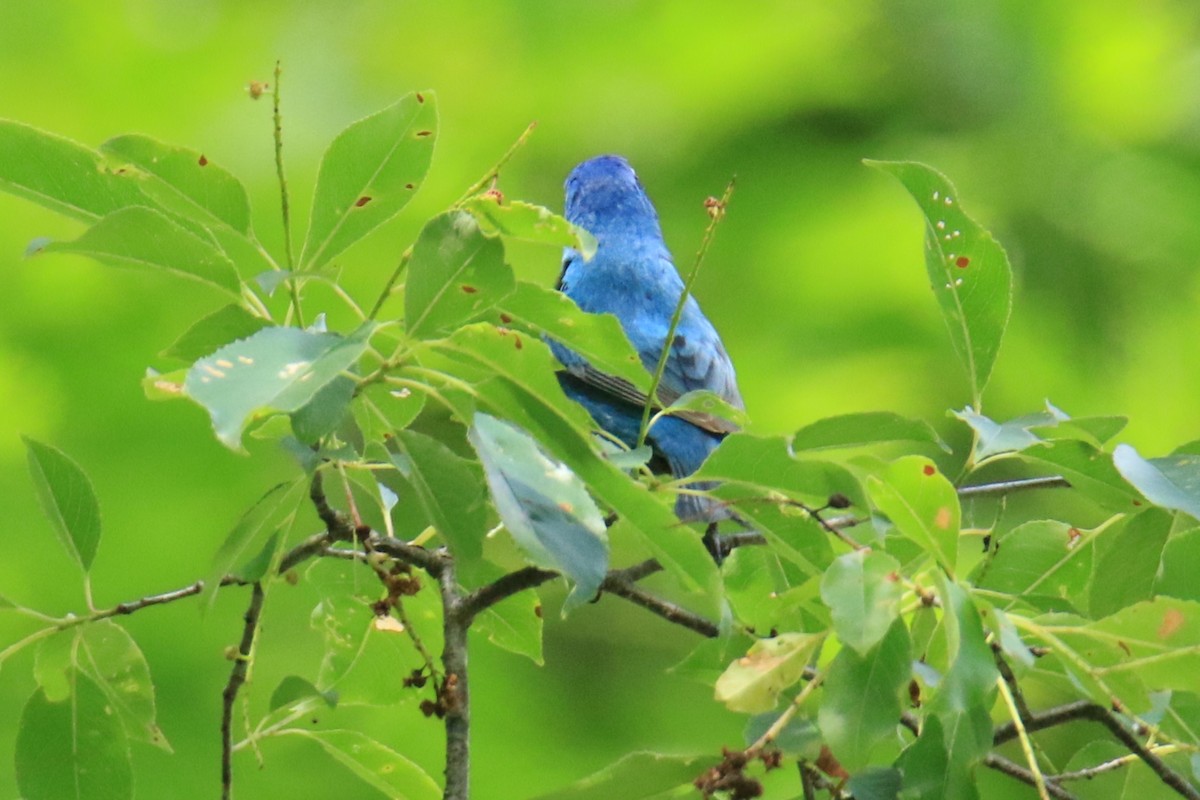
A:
(858, 597)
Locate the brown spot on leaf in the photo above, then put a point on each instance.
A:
(408, 186)
(537, 611)
(564, 506)
(468, 289)
(929, 469)
(203, 160)
(420, 97)
(517, 341)
(943, 517)
(362, 201)
(1172, 621)
(961, 262)
(505, 318)
(1125, 648)
(496, 195)
(1137, 502)
(423, 133)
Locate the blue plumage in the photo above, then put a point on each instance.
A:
(633, 277)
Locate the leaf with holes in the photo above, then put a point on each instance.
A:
(68, 500)
(544, 506)
(181, 181)
(110, 657)
(531, 223)
(368, 174)
(968, 269)
(143, 238)
(274, 370)
(863, 591)
(752, 683)
(1172, 482)
(61, 175)
(456, 273)
(75, 749)
(922, 505)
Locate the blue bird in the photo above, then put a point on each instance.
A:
(633, 277)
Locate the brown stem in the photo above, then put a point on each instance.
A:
(237, 677)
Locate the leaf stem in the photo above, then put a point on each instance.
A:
(1026, 748)
(717, 213)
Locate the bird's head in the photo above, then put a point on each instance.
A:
(605, 197)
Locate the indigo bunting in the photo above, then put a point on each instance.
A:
(633, 277)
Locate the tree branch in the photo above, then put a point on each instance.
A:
(622, 587)
(237, 677)
(455, 698)
(1014, 770)
(1007, 487)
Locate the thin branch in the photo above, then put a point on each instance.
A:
(1039, 780)
(284, 206)
(237, 676)
(432, 561)
(502, 588)
(1008, 487)
(656, 605)
(716, 214)
(1002, 666)
(1085, 710)
(1013, 770)
(1087, 773)
(455, 698)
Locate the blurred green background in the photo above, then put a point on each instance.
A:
(1071, 131)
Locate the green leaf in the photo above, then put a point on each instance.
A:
(922, 505)
(449, 490)
(1089, 470)
(141, 237)
(1158, 641)
(110, 657)
(758, 588)
(544, 506)
(225, 325)
(637, 776)
(752, 684)
(767, 464)
(710, 403)
(1042, 559)
(992, 438)
(862, 590)
(455, 274)
(528, 222)
(322, 414)
(251, 533)
(876, 783)
(861, 698)
(514, 624)
(800, 737)
(789, 530)
(292, 689)
(68, 500)
(1180, 566)
(53, 665)
(597, 337)
(1172, 482)
(368, 174)
(968, 270)
(376, 764)
(75, 749)
(275, 370)
(929, 771)
(60, 175)
(867, 428)
(1125, 572)
(515, 378)
(182, 181)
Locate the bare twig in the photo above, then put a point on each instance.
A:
(1008, 487)
(1087, 773)
(502, 588)
(455, 697)
(284, 206)
(1013, 770)
(623, 588)
(237, 676)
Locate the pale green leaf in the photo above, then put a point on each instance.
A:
(752, 684)
(922, 505)
(67, 499)
(863, 429)
(637, 776)
(532, 223)
(110, 657)
(374, 763)
(1172, 482)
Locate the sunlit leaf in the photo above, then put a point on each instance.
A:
(967, 268)
(544, 506)
(710, 403)
(368, 174)
(861, 697)
(449, 490)
(141, 237)
(110, 657)
(520, 220)
(61, 175)
(274, 370)
(226, 324)
(67, 499)
(73, 750)
(867, 428)
(597, 337)
(376, 764)
(752, 684)
(182, 180)
(922, 505)
(862, 590)
(637, 776)
(1172, 482)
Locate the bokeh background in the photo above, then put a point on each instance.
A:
(1072, 131)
